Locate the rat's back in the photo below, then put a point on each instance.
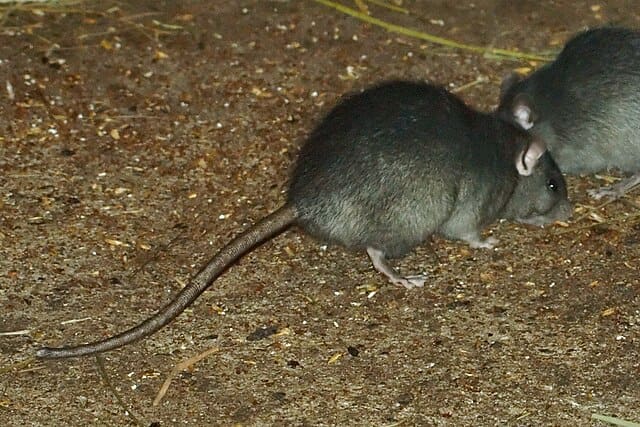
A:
(383, 167)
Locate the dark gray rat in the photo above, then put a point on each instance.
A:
(585, 105)
(383, 171)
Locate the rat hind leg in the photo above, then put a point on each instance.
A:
(381, 264)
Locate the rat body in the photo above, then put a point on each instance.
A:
(383, 171)
(585, 105)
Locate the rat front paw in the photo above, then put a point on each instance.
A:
(599, 193)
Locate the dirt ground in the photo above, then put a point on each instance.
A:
(138, 137)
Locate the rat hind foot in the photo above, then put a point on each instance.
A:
(617, 190)
(477, 242)
(414, 281)
(380, 264)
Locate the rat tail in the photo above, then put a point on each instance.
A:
(265, 229)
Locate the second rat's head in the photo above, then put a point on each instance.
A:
(517, 103)
(528, 102)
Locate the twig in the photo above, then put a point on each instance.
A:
(614, 421)
(107, 383)
(630, 203)
(429, 37)
(362, 6)
(35, 368)
(154, 256)
(16, 366)
(179, 368)
(616, 219)
(389, 6)
(596, 208)
(477, 81)
(72, 321)
(49, 7)
(15, 333)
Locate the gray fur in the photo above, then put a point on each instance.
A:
(403, 161)
(586, 104)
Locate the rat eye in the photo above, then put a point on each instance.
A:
(552, 185)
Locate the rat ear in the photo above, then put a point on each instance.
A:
(522, 112)
(507, 82)
(528, 158)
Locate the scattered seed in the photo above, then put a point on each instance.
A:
(335, 358)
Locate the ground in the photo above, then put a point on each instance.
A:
(140, 136)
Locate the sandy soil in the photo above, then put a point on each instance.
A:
(140, 136)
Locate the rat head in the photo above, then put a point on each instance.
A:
(540, 196)
(517, 104)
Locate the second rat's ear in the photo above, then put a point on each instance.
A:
(507, 82)
(527, 159)
(523, 112)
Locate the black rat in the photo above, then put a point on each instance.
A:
(383, 171)
(585, 105)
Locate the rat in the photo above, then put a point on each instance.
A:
(585, 105)
(385, 169)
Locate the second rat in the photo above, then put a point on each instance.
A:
(585, 105)
(382, 172)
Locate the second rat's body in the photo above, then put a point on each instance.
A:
(383, 171)
(585, 105)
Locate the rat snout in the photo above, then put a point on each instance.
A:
(564, 210)
(561, 211)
